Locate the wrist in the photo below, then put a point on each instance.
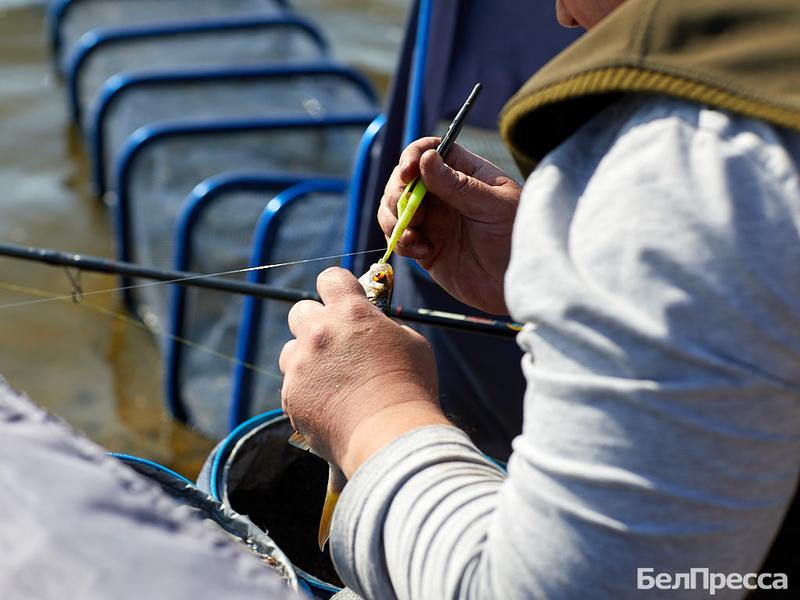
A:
(384, 426)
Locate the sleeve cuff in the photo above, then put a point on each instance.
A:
(357, 544)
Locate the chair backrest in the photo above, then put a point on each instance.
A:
(103, 52)
(448, 47)
(68, 20)
(128, 101)
(161, 164)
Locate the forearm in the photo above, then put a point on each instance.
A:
(378, 430)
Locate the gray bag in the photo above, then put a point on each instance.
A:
(75, 523)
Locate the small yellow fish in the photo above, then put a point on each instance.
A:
(378, 283)
(336, 481)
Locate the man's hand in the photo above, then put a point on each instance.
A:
(353, 378)
(461, 233)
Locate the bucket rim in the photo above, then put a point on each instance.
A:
(228, 444)
(130, 458)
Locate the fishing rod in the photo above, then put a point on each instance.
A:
(97, 264)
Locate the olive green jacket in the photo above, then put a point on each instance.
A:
(742, 56)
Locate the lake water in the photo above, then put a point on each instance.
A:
(100, 373)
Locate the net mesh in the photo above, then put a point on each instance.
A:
(221, 241)
(247, 46)
(311, 227)
(86, 15)
(314, 95)
(165, 173)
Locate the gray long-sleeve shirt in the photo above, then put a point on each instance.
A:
(656, 263)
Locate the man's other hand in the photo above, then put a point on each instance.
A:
(461, 234)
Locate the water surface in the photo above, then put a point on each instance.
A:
(100, 373)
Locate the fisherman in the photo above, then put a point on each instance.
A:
(655, 262)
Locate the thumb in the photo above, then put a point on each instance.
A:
(335, 284)
(470, 196)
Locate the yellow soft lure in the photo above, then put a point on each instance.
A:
(415, 191)
(407, 206)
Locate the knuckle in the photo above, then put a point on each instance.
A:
(394, 181)
(285, 397)
(392, 198)
(385, 215)
(422, 343)
(299, 309)
(329, 272)
(425, 142)
(357, 309)
(387, 208)
(418, 341)
(413, 150)
(295, 309)
(319, 336)
(462, 183)
(286, 352)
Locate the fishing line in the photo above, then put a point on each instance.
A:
(49, 296)
(473, 324)
(78, 293)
